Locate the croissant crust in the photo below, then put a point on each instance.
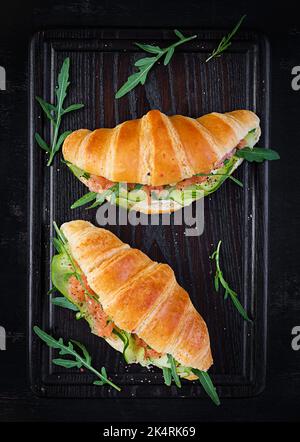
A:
(156, 149)
(140, 295)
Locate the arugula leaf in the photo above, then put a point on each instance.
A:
(207, 384)
(55, 112)
(42, 143)
(236, 181)
(169, 55)
(87, 198)
(225, 42)
(257, 154)
(219, 278)
(179, 34)
(175, 376)
(98, 197)
(145, 64)
(61, 301)
(228, 175)
(76, 170)
(138, 186)
(73, 107)
(86, 354)
(78, 361)
(149, 48)
(167, 373)
(60, 236)
(48, 108)
(66, 363)
(61, 139)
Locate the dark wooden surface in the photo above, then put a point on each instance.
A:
(100, 61)
(19, 21)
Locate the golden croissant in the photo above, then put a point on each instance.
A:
(166, 162)
(134, 303)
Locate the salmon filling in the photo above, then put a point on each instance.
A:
(99, 184)
(102, 326)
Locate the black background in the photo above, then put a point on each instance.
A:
(281, 24)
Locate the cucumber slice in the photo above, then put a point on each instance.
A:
(137, 195)
(213, 182)
(161, 362)
(176, 195)
(132, 353)
(61, 271)
(163, 194)
(122, 193)
(251, 138)
(122, 202)
(192, 193)
(187, 196)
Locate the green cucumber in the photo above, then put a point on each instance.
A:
(137, 195)
(122, 193)
(213, 182)
(122, 202)
(61, 271)
(131, 352)
(251, 138)
(176, 195)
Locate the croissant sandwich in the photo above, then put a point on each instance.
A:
(157, 163)
(132, 302)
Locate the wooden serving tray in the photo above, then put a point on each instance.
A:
(101, 61)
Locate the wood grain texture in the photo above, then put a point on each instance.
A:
(100, 62)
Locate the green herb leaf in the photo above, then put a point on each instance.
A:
(87, 198)
(52, 290)
(77, 171)
(138, 186)
(66, 363)
(175, 376)
(179, 34)
(61, 139)
(42, 143)
(73, 107)
(145, 64)
(144, 61)
(228, 175)
(239, 307)
(169, 55)
(59, 234)
(257, 154)
(61, 301)
(167, 376)
(47, 108)
(236, 181)
(78, 361)
(219, 279)
(55, 113)
(216, 282)
(207, 384)
(133, 81)
(149, 48)
(63, 83)
(86, 354)
(226, 41)
(58, 245)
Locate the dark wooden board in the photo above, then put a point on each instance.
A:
(101, 60)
